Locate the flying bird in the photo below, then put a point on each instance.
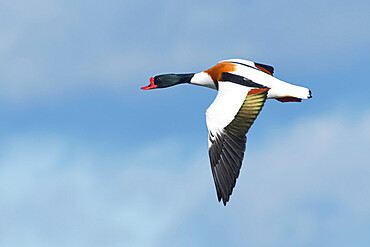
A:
(243, 87)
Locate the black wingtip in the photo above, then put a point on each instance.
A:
(309, 94)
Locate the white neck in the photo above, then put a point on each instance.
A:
(203, 79)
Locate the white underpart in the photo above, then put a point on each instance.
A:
(222, 111)
(203, 79)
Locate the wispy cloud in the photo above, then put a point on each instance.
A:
(56, 192)
(308, 181)
(60, 47)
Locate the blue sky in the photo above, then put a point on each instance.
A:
(89, 159)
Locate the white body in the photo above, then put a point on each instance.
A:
(278, 88)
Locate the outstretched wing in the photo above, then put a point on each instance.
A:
(228, 120)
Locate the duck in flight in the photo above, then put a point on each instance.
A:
(243, 87)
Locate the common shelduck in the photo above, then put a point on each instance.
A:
(243, 87)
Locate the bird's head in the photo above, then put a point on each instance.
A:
(167, 80)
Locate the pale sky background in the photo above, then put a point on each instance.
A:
(89, 159)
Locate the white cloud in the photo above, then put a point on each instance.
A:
(55, 192)
(58, 47)
(307, 180)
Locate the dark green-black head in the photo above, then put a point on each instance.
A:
(167, 80)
